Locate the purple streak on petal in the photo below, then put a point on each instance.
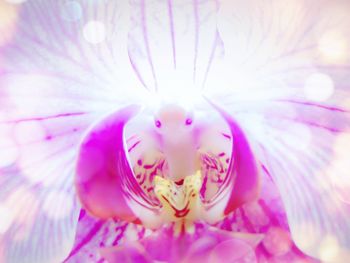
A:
(315, 125)
(120, 236)
(247, 222)
(145, 38)
(133, 146)
(196, 37)
(243, 175)
(61, 115)
(82, 214)
(313, 104)
(172, 29)
(211, 58)
(93, 231)
(137, 72)
(104, 179)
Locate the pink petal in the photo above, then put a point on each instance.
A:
(232, 251)
(52, 88)
(220, 246)
(206, 245)
(105, 181)
(125, 253)
(242, 182)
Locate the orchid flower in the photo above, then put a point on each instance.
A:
(174, 131)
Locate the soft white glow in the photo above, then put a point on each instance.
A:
(15, 1)
(8, 19)
(340, 167)
(23, 205)
(94, 32)
(306, 236)
(319, 87)
(342, 145)
(26, 132)
(71, 11)
(329, 249)
(296, 135)
(334, 47)
(26, 93)
(6, 218)
(9, 150)
(57, 205)
(8, 154)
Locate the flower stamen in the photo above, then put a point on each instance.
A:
(181, 204)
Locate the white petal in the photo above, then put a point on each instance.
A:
(272, 50)
(54, 84)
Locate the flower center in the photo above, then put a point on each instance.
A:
(181, 204)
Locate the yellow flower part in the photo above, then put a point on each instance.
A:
(181, 204)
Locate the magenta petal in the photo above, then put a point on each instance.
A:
(125, 253)
(243, 174)
(202, 246)
(222, 246)
(104, 179)
(232, 251)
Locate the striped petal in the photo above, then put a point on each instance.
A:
(288, 90)
(57, 78)
(171, 43)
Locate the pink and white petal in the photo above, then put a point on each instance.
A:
(37, 185)
(105, 182)
(171, 43)
(55, 81)
(126, 253)
(298, 117)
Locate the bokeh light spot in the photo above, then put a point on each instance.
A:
(15, 1)
(94, 32)
(6, 218)
(334, 47)
(319, 87)
(277, 241)
(8, 19)
(329, 249)
(71, 11)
